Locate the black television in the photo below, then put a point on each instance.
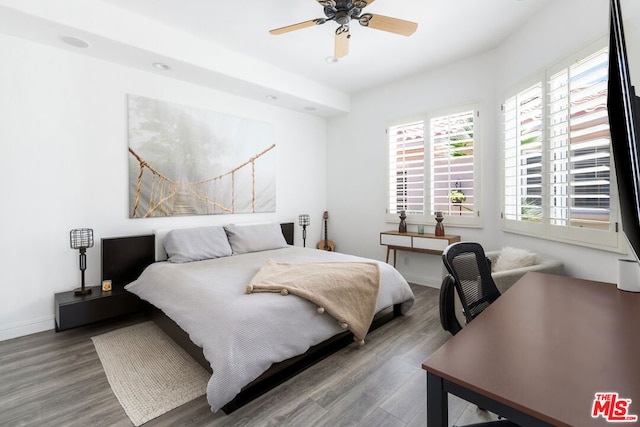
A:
(623, 107)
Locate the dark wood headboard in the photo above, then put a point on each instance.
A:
(287, 231)
(124, 258)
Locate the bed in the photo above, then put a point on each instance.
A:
(250, 342)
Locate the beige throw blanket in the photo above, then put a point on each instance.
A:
(348, 291)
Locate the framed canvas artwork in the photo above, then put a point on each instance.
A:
(190, 161)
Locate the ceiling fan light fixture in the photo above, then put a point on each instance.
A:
(342, 17)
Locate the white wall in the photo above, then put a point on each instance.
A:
(64, 164)
(357, 187)
(357, 180)
(63, 161)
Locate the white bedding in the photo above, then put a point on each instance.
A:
(242, 335)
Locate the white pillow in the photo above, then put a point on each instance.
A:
(195, 244)
(512, 258)
(254, 238)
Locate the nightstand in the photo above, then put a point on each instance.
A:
(72, 310)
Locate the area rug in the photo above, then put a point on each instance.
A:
(149, 374)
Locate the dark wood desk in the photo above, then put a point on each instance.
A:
(540, 353)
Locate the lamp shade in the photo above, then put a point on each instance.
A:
(81, 238)
(304, 219)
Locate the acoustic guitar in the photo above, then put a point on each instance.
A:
(326, 244)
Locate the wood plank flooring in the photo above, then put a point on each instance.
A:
(56, 379)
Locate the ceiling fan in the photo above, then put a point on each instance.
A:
(342, 12)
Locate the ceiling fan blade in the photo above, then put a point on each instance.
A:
(386, 23)
(342, 43)
(297, 26)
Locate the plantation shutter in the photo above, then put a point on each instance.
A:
(452, 160)
(523, 139)
(406, 168)
(580, 145)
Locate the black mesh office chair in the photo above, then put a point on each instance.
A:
(448, 318)
(470, 274)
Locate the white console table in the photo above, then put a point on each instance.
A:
(414, 242)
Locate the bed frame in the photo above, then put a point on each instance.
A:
(124, 258)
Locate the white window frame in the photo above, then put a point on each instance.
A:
(427, 218)
(611, 239)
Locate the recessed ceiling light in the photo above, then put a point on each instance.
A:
(75, 42)
(271, 97)
(161, 66)
(331, 59)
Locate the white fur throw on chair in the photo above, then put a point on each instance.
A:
(510, 264)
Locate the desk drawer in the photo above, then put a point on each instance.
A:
(395, 240)
(430, 243)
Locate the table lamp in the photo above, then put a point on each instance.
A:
(82, 238)
(304, 220)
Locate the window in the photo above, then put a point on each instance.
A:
(431, 168)
(579, 145)
(452, 159)
(557, 156)
(523, 126)
(406, 168)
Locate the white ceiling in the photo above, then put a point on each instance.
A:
(202, 39)
(447, 30)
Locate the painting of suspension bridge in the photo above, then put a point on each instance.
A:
(189, 161)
